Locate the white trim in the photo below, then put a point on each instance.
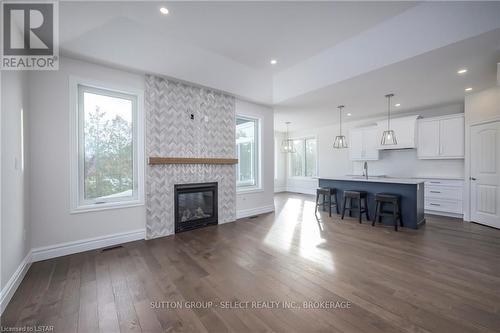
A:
(107, 206)
(248, 190)
(437, 213)
(302, 190)
(468, 161)
(63, 249)
(278, 189)
(258, 145)
(242, 213)
(139, 160)
(14, 282)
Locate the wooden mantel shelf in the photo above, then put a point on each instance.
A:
(191, 160)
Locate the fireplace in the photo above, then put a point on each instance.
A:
(195, 206)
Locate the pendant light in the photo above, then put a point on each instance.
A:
(340, 140)
(287, 143)
(389, 137)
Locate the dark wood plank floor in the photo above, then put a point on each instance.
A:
(444, 277)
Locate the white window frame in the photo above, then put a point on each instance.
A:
(257, 164)
(304, 138)
(77, 202)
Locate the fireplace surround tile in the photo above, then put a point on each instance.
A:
(187, 121)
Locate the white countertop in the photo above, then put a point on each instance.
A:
(391, 180)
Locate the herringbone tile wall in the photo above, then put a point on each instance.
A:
(171, 132)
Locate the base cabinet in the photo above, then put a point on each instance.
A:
(444, 197)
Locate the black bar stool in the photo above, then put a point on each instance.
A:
(394, 200)
(358, 196)
(327, 192)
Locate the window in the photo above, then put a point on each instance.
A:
(303, 163)
(107, 139)
(247, 149)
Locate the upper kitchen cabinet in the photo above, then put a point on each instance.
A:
(363, 144)
(404, 129)
(441, 137)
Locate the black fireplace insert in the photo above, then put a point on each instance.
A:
(195, 206)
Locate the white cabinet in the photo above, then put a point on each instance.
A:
(363, 144)
(404, 129)
(444, 197)
(441, 137)
(428, 135)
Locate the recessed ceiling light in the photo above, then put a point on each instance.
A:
(397, 105)
(164, 10)
(349, 114)
(462, 71)
(468, 89)
(273, 61)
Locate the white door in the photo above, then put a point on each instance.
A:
(451, 137)
(485, 174)
(428, 139)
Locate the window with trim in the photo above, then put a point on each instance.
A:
(108, 149)
(247, 150)
(303, 163)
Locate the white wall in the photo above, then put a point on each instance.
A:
(50, 206)
(50, 180)
(280, 161)
(259, 201)
(479, 107)
(15, 228)
(402, 163)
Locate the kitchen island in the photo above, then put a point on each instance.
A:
(410, 190)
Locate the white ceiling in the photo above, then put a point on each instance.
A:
(250, 33)
(418, 83)
(328, 52)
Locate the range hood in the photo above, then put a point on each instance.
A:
(405, 129)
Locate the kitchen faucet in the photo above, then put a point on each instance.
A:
(365, 169)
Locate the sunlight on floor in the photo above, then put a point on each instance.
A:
(298, 231)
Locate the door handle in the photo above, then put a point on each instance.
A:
(435, 192)
(472, 178)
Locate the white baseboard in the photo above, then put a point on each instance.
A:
(63, 249)
(14, 282)
(434, 212)
(278, 189)
(254, 211)
(303, 190)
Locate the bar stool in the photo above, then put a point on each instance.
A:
(394, 200)
(326, 192)
(358, 196)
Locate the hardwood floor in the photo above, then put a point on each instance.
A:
(444, 277)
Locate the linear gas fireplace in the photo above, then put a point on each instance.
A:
(195, 206)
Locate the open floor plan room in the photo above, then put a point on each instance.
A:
(250, 166)
(283, 272)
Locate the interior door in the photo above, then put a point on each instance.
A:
(485, 174)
